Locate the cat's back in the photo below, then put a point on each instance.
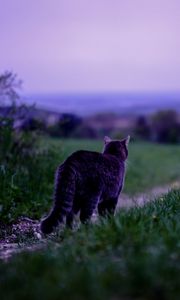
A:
(91, 161)
(82, 157)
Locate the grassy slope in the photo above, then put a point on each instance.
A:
(135, 255)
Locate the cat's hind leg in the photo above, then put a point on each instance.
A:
(50, 222)
(73, 212)
(70, 219)
(88, 208)
(107, 207)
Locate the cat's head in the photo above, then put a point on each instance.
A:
(119, 148)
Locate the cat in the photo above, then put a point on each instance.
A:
(87, 180)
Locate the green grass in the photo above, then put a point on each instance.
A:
(135, 255)
(132, 256)
(151, 165)
(27, 184)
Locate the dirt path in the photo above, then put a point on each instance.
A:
(26, 227)
(140, 199)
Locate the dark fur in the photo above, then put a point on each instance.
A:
(87, 180)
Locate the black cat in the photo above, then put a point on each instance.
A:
(87, 180)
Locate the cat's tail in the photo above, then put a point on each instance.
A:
(63, 198)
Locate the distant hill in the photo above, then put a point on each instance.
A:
(120, 103)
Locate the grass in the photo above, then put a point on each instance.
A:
(27, 185)
(132, 256)
(151, 165)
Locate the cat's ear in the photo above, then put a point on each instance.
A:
(107, 140)
(127, 140)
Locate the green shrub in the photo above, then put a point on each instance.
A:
(26, 168)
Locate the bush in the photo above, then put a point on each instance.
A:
(25, 168)
(26, 183)
(65, 127)
(68, 124)
(165, 127)
(85, 132)
(142, 128)
(161, 127)
(13, 142)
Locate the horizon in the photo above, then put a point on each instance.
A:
(101, 92)
(89, 104)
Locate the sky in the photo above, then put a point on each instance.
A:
(91, 45)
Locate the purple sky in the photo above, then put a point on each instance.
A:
(92, 45)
